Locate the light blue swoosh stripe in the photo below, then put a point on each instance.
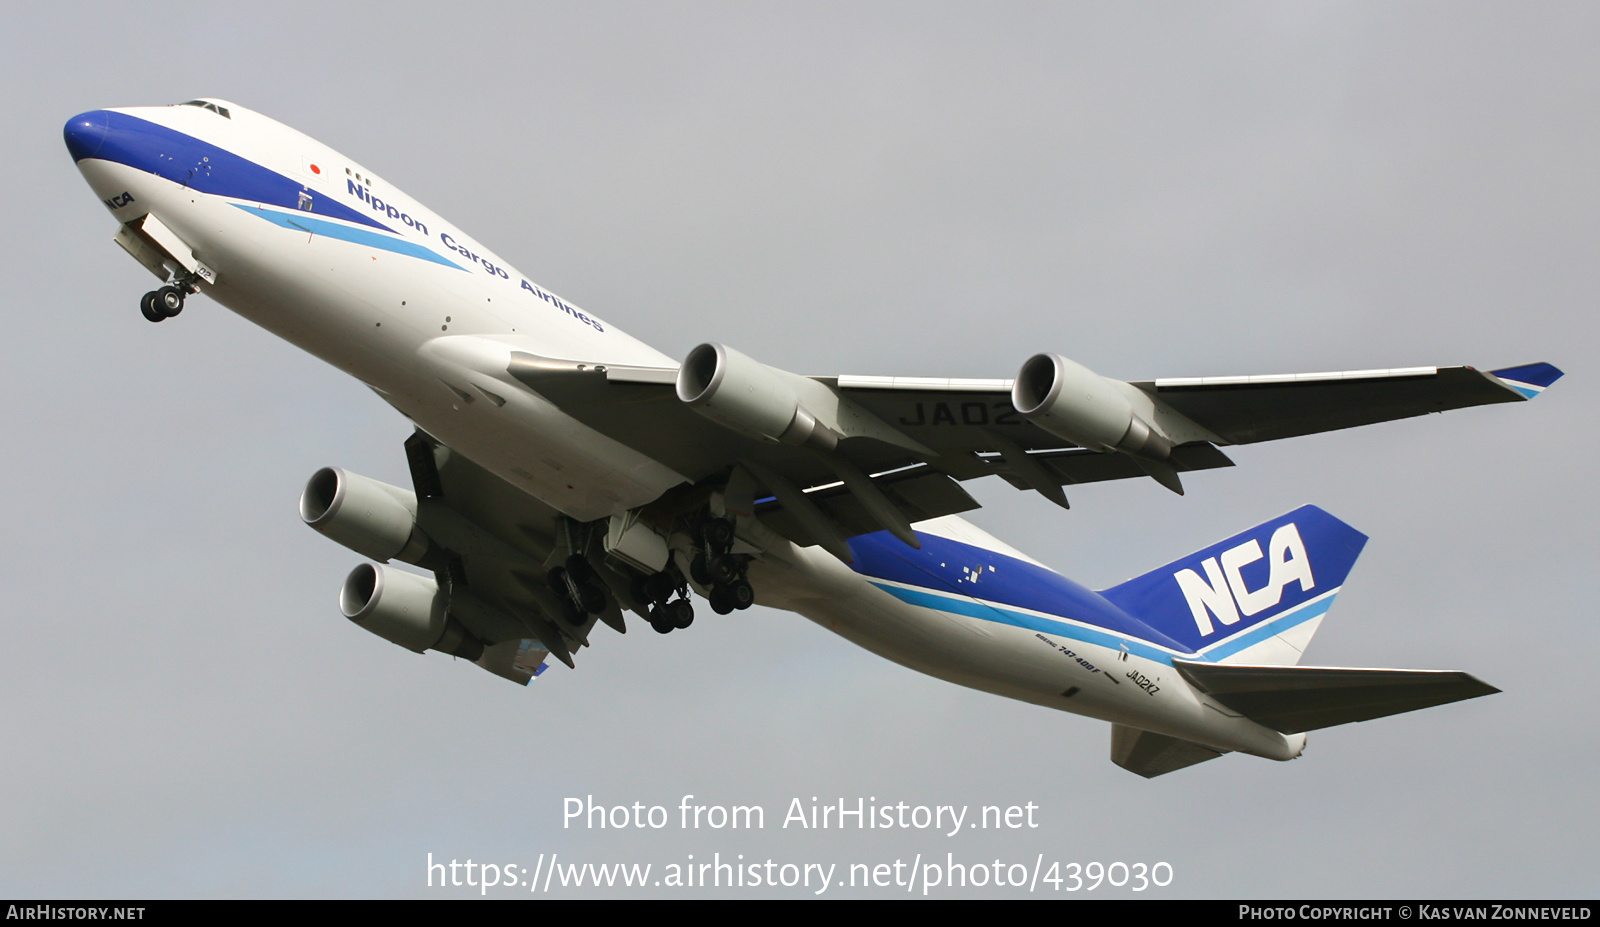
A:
(1269, 628)
(304, 222)
(986, 612)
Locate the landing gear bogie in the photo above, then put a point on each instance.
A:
(580, 592)
(716, 570)
(717, 535)
(166, 302)
(667, 617)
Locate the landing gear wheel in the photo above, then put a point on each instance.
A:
(151, 310)
(722, 570)
(659, 620)
(721, 601)
(578, 583)
(717, 533)
(570, 612)
(659, 587)
(592, 599)
(575, 612)
(681, 612)
(169, 299)
(742, 595)
(698, 571)
(582, 572)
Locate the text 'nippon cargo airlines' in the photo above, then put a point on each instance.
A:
(564, 473)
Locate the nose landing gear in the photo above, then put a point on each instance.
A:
(162, 304)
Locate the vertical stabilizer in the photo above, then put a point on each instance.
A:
(1257, 597)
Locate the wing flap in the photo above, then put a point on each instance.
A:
(921, 493)
(1081, 466)
(1295, 699)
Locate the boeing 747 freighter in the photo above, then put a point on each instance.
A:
(565, 475)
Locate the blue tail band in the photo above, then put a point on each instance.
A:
(1240, 591)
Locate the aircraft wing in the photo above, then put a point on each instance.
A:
(1233, 410)
(1244, 410)
(904, 445)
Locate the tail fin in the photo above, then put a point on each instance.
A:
(1257, 597)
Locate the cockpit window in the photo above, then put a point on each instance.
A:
(219, 110)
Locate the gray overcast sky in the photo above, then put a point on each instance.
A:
(918, 189)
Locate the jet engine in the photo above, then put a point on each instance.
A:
(371, 518)
(749, 397)
(405, 609)
(1073, 402)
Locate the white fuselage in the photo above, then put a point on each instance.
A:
(433, 335)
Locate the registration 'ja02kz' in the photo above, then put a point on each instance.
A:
(565, 474)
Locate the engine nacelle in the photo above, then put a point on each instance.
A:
(371, 518)
(405, 609)
(1073, 402)
(749, 397)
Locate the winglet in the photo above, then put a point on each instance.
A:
(1529, 379)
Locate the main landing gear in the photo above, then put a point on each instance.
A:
(580, 589)
(666, 613)
(158, 305)
(714, 566)
(717, 567)
(662, 597)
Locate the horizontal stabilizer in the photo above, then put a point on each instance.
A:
(1294, 699)
(1151, 755)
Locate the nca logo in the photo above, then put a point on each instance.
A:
(1223, 592)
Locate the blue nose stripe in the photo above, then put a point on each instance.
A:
(200, 165)
(85, 133)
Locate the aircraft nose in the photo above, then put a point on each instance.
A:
(85, 133)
